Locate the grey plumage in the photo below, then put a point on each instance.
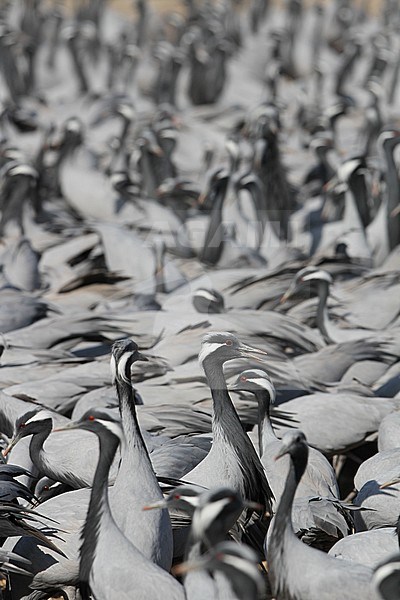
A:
(232, 453)
(368, 548)
(95, 570)
(111, 127)
(310, 570)
(386, 578)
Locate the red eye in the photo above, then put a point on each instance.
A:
(243, 378)
(177, 496)
(91, 418)
(46, 488)
(22, 425)
(228, 343)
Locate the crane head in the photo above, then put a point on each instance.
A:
(123, 354)
(30, 423)
(303, 276)
(222, 346)
(253, 380)
(292, 442)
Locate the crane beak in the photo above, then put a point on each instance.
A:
(388, 484)
(142, 357)
(157, 150)
(156, 505)
(281, 453)
(202, 198)
(11, 445)
(67, 426)
(331, 184)
(253, 505)
(251, 352)
(285, 296)
(7, 450)
(192, 565)
(395, 211)
(289, 292)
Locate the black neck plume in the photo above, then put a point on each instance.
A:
(226, 424)
(127, 408)
(98, 504)
(225, 415)
(264, 411)
(38, 439)
(283, 517)
(322, 314)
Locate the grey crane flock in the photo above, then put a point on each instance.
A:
(219, 187)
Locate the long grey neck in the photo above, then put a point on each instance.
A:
(322, 312)
(214, 239)
(393, 194)
(322, 153)
(36, 445)
(394, 80)
(130, 424)
(283, 516)
(9, 412)
(228, 432)
(265, 431)
(359, 189)
(38, 456)
(98, 505)
(225, 418)
(199, 585)
(136, 470)
(350, 57)
(126, 123)
(194, 549)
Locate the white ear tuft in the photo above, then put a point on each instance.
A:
(40, 416)
(207, 349)
(324, 275)
(113, 368)
(113, 427)
(264, 383)
(122, 366)
(205, 294)
(202, 519)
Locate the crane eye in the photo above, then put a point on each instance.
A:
(177, 496)
(91, 418)
(243, 378)
(228, 343)
(46, 488)
(22, 425)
